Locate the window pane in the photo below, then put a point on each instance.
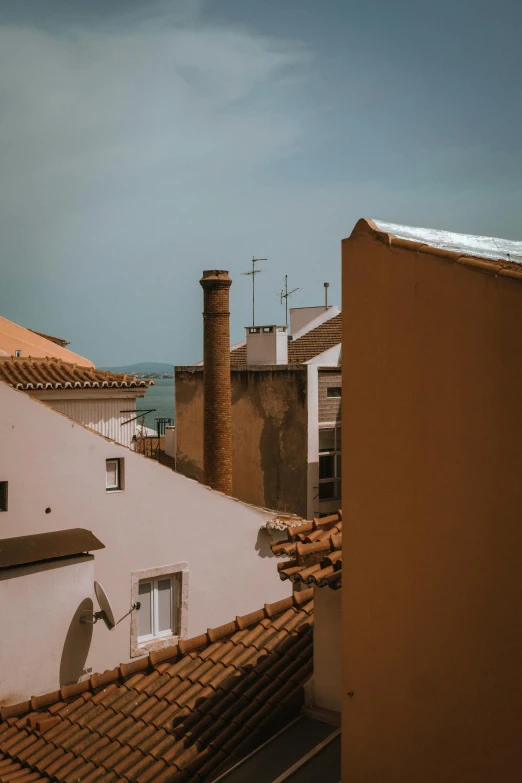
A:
(326, 440)
(339, 467)
(327, 491)
(333, 391)
(164, 592)
(145, 610)
(326, 466)
(111, 477)
(338, 438)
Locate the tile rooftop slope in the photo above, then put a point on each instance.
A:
(493, 248)
(182, 714)
(314, 342)
(28, 374)
(316, 552)
(56, 340)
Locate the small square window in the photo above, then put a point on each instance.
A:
(158, 608)
(333, 391)
(113, 475)
(327, 440)
(3, 495)
(18, 353)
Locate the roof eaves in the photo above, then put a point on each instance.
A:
(184, 647)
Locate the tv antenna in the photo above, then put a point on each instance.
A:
(106, 614)
(285, 293)
(253, 274)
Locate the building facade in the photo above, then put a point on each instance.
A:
(286, 415)
(101, 400)
(432, 683)
(190, 556)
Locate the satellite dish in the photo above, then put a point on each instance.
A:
(106, 612)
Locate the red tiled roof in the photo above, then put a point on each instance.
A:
(30, 374)
(176, 715)
(57, 340)
(316, 549)
(314, 342)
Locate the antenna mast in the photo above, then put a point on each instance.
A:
(253, 274)
(326, 285)
(285, 293)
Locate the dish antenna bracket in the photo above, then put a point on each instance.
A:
(105, 612)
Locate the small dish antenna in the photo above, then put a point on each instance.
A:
(106, 614)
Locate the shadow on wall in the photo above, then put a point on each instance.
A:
(263, 544)
(76, 647)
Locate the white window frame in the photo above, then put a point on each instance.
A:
(18, 353)
(179, 575)
(119, 470)
(336, 454)
(174, 602)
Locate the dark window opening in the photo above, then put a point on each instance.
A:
(3, 495)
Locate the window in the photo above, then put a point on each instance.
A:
(333, 391)
(162, 617)
(18, 353)
(113, 475)
(156, 615)
(330, 463)
(3, 495)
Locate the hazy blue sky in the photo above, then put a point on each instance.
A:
(142, 141)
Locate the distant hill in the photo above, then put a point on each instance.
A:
(141, 367)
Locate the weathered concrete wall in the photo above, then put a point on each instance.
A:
(432, 466)
(269, 433)
(188, 394)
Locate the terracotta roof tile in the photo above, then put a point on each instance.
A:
(176, 719)
(57, 340)
(315, 549)
(29, 374)
(311, 344)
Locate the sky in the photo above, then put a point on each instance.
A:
(143, 141)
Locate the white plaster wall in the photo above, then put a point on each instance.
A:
(39, 619)
(161, 517)
(170, 441)
(327, 649)
(329, 358)
(103, 414)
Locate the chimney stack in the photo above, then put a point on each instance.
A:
(217, 420)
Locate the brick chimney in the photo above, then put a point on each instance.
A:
(217, 420)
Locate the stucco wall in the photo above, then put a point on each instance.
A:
(160, 518)
(432, 489)
(269, 433)
(43, 642)
(327, 649)
(15, 338)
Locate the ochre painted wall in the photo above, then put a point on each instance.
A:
(432, 488)
(269, 434)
